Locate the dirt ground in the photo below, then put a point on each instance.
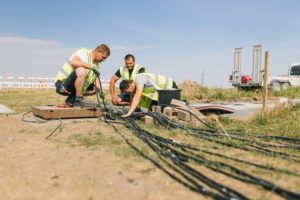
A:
(34, 168)
(87, 159)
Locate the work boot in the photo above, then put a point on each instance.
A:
(81, 102)
(70, 100)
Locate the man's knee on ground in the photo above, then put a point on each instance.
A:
(81, 72)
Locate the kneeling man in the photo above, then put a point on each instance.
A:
(145, 90)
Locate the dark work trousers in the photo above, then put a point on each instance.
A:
(67, 87)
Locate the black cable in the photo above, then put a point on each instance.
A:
(179, 162)
(246, 177)
(160, 145)
(198, 189)
(58, 127)
(101, 91)
(265, 167)
(42, 122)
(202, 134)
(256, 149)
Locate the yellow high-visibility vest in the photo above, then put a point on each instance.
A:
(125, 72)
(159, 82)
(67, 69)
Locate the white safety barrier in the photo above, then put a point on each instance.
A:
(34, 82)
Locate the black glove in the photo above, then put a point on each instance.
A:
(102, 95)
(95, 71)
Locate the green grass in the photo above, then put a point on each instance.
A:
(21, 100)
(192, 91)
(280, 121)
(93, 139)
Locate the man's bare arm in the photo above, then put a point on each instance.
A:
(77, 62)
(135, 101)
(112, 84)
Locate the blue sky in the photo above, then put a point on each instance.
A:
(181, 39)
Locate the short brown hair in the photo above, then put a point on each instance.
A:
(103, 48)
(124, 85)
(128, 56)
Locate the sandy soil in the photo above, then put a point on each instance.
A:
(34, 168)
(88, 160)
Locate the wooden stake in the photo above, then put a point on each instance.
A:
(265, 92)
(225, 132)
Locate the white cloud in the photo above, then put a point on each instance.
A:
(31, 57)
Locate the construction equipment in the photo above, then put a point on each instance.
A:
(245, 81)
(292, 79)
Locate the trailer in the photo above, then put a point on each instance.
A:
(238, 80)
(247, 82)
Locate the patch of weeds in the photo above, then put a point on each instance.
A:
(127, 166)
(173, 132)
(93, 138)
(147, 171)
(218, 95)
(113, 141)
(297, 106)
(130, 180)
(260, 120)
(234, 143)
(126, 152)
(86, 140)
(265, 195)
(262, 172)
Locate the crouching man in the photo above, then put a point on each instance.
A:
(127, 72)
(145, 90)
(78, 74)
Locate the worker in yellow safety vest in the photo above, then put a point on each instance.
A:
(145, 90)
(127, 72)
(78, 74)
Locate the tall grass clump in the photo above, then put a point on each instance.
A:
(282, 120)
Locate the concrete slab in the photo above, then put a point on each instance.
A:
(241, 109)
(5, 110)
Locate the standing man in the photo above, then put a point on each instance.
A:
(127, 72)
(78, 74)
(145, 90)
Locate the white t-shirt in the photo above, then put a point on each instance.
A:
(143, 79)
(83, 54)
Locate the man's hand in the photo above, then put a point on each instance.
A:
(125, 116)
(95, 71)
(115, 99)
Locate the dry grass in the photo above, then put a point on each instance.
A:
(281, 121)
(21, 100)
(192, 91)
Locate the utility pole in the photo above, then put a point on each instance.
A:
(202, 78)
(265, 91)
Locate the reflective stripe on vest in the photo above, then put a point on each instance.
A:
(159, 82)
(91, 76)
(125, 72)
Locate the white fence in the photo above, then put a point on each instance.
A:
(33, 82)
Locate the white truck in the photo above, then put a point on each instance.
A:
(292, 79)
